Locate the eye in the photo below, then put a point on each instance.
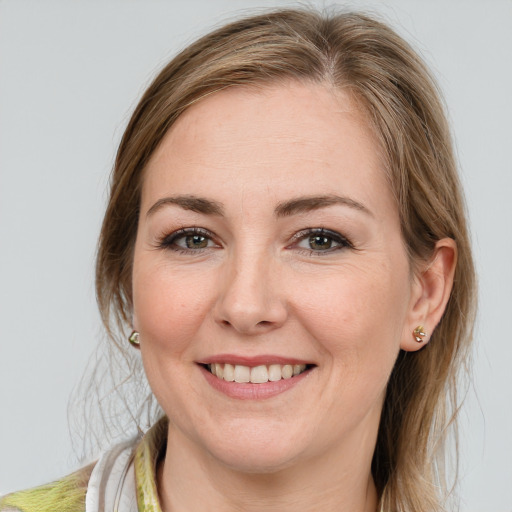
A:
(193, 239)
(321, 240)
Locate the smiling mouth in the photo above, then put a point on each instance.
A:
(256, 374)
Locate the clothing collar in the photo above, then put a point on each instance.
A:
(124, 479)
(146, 457)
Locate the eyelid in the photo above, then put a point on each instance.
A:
(167, 241)
(334, 235)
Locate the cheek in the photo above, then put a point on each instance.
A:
(357, 316)
(168, 306)
(358, 299)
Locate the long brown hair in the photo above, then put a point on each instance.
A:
(390, 82)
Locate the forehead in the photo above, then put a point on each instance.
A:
(286, 138)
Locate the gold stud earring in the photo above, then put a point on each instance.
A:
(134, 339)
(419, 334)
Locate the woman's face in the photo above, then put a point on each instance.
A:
(269, 244)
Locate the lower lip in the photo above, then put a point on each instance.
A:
(250, 391)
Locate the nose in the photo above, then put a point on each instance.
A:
(251, 297)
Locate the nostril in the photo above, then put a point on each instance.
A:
(263, 323)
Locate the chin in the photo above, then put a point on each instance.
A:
(256, 450)
(257, 462)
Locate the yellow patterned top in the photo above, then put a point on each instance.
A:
(69, 493)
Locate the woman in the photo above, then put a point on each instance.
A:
(286, 240)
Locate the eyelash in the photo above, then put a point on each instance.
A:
(333, 236)
(169, 241)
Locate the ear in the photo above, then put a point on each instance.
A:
(430, 293)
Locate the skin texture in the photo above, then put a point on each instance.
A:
(259, 288)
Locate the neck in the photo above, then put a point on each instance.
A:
(188, 479)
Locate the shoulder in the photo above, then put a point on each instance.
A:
(64, 495)
(122, 477)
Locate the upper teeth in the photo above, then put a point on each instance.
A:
(255, 374)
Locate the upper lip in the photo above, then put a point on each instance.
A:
(264, 359)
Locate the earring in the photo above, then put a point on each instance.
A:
(419, 334)
(134, 339)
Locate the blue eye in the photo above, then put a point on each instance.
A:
(321, 240)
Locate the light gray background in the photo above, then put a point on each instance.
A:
(70, 74)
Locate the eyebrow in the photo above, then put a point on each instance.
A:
(285, 209)
(309, 203)
(194, 203)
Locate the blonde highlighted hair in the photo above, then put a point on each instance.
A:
(362, 55)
